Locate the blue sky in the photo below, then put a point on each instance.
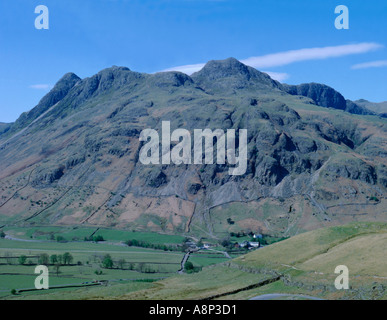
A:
(295, 41)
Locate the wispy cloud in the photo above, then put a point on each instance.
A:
(287, 57)
(41, 86)
(187, 69)
(279, 76)
(371, 64)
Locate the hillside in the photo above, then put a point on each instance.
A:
(380, 107)
(305, 264)
(73, 159)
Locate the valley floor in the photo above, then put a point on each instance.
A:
(302, 267)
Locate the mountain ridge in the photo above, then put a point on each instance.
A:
(321, 94)
(77, 161)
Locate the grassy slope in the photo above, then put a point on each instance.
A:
(211, 281)
(315, 247)
(308, 259)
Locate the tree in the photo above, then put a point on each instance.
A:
(188, 266)
(43, 259)
(184, 247)
(60, 239)
(98, 238)
(121, 263)
(225, 242)
(56, 267)
(2, 234)
(230, 221)
(141, 267)
(107, 262)
(8, 257)
(22, 260)
(53, 259)
(67, 258)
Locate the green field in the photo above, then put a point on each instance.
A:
(303, 264)
(79, 233)
(134, 268)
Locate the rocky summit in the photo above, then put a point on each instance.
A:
(313, 158)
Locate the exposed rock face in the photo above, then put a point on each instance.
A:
(354, 108)
(78, 151)
(156, 179)
(327, 97)
(231, 74)
(353, 169)
(321, 94)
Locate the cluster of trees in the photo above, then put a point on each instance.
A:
(227, 243)
(64, 259)
(145, 268)
(95, 238)
(22, 260)
(145, 244)
(230, 221)
(190, 268)
(56, 260)
(241, 234)
(45, 259)
(108, 263)
(60, 238)
(57, 238)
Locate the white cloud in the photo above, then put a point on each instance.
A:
(187, 69)
(279, 76)
(41, 86)
(288, 57)
(371, 64)
(291, 56)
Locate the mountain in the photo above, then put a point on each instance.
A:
(321, 94)
(4, 127)
(328, 97)
(226, 76)
(380, 107)
(60, 90)
(355, 108)
(74, 158)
